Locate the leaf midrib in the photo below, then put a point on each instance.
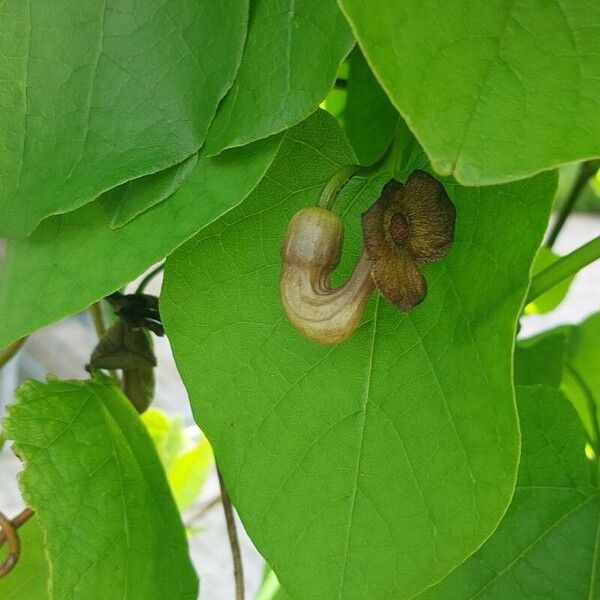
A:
(360, 446)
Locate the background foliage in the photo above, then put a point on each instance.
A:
(429, 455)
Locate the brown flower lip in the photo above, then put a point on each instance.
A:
(409, 224)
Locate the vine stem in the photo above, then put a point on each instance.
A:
(98, 319)
(586, 170)
(8, 532)
(9, 352)
(340, 178)
(148, 278)
(238, 571)
(202, 510)
(562, 268)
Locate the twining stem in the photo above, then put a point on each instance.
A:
(8, 531)
(201, 511)
(7, 353)
(586, 170)
(238, 571)
(148, 278)
(563, 268)
(336, 183)
(340, 178)
(98, 319)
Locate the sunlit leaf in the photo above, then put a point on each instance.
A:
(93, 477)
(290, 60)
(372, 468)
(493, 91)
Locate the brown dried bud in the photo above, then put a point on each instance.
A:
(409, 224)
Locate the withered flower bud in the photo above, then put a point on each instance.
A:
(409, 224)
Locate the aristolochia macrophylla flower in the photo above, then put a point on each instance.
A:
(409, 224)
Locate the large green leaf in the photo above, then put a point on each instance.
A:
(73, 260)
(548, 542)
(292, 54)
(97, 93)
(29, 579)
(95, 481)
(494, 91)
(372, 468)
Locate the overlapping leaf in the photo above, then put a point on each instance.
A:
(494, 91)
(372, 468)
(548, 543)
(97, 93)
(125, 202)
(93, 477)
(293, 51)
(73, 260)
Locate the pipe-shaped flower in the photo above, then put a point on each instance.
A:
(409, 224)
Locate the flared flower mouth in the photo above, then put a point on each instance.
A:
(409, 224)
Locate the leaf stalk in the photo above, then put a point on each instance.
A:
(563, 268)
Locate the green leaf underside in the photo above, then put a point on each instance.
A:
(29, 579)
(369, 118)
(529, 93)
(548, 543)
(383, 483)
(291, 57)
(540, 359)
(98, 93)
(127, 201)
(95, 481)
(73, 260)
(553, 297)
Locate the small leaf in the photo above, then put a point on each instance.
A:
(166, 433)
(188, 473)
(93, 477)
(186, 465)
(291, 57)
(493, 91)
